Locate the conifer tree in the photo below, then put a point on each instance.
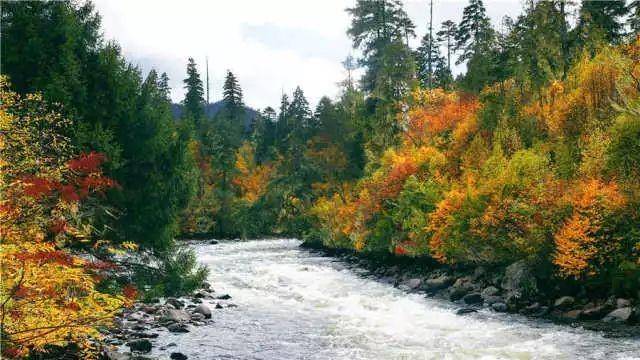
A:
(600, 21)
(194, 98)
(446, 36)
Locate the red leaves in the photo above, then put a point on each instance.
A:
(399, 250)
(36, 187)
(130, 292)
(87, 163)
(56, 256)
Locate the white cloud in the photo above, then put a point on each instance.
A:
(272, 46)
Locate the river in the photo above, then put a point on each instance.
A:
(294, 304)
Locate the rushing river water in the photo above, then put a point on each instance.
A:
(293, 304)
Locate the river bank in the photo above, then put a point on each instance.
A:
(511, 289)
(297, 303)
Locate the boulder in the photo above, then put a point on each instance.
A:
(564, 302)
(519, 279)
(572, 314)
(622, 303)
(489, 291)
(492, 299)
(178, 356)
(619, 315)
(465, 311)
(224, 297)
(219, 306)
(473, 298)
(413, 283)
(173, 315)
(531, 309)
(196, 317)
(457, 293)
(213, 242)
(595, 312)
(114, 355)
(140, 345)
(175, 303)
(438, 283)
(178, 328)
(499, 307)
(204, 310)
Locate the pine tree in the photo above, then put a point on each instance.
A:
(427, 56)
(232, 93)
(194, 98)
(601, 21)
(634, 17)
(446, 36)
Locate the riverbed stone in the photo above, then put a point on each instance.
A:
(622, 303)
(140, 345)
(457, 293)
(224, 297)
(564, 302)
(204, 310)
(489, 291)
(619, 315)
(437, 283)
(115, 355)
(178, 304)
(499, 307)
(178, 328)
(473, 298)
(178, 356)
(173, 315)
(413, 283)
(465, 311)
(489, 300)
(572, 314)
(519, 279)
(595, 312)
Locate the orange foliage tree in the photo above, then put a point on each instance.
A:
(48, 293)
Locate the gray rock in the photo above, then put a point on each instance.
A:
(413, 283)
(213, 242)
(519, 279)
(564, 302)
(457, 293)
(490, 291)
(473, 298)
(175, 303)
(499, 307)
(438, 283)
(622, 303)
(224, 297)
(114, 355)
(595, 312)
(619, 315)
(572, 314)
(219, 306)
(140, 345)
(197, 317)
(178, 328)
(465, 311)
(178, 356)
(204, 310)
(173, 315)
(489, 300)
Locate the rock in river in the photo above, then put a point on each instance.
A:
(140, 345)
(204, 310)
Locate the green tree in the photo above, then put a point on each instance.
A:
(194, 98)
(446, 36)
(600, 21)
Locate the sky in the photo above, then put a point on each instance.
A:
(272, 46)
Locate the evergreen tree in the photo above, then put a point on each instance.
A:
(446, 36)
(475, 40)
(600, 21)
(634, 17)
(427, 57)
(194, 98)
(232, 93)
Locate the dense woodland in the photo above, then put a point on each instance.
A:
(532, 153)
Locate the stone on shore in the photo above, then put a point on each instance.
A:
(204, 310)
(140, 345)
(621, 315)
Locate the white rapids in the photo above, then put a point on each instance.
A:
(294, 304)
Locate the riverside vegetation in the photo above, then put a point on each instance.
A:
(527, 163)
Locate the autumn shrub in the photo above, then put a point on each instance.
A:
(52, 256)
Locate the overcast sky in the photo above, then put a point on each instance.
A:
(272, 46)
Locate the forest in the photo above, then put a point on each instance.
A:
(532, 153)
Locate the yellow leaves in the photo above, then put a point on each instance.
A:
(49, 292)
(129, 246)
(252, 179)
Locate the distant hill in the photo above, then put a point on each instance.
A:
(212, 109)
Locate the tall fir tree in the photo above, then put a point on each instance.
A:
(446, 37)
(193, 102)
(600, 21)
